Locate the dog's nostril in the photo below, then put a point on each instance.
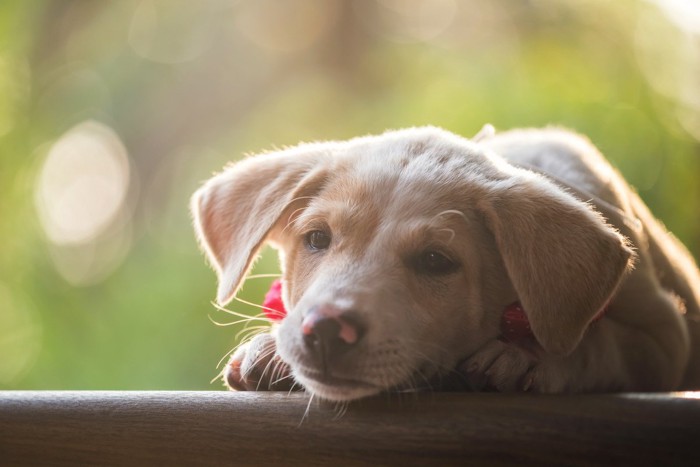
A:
(352, 328)
(328, 331)
(323, 330)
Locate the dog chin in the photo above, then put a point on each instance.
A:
(336, 389)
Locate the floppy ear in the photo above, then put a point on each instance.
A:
(564, 261)
(235, 211)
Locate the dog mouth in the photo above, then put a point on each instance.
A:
(332, 380)
(387, 377)
(335, 388)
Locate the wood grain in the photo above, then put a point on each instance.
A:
(264, 429)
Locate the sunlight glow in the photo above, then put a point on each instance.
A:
(684, 13)
(668, 53)
(82, 184)
(687, 394)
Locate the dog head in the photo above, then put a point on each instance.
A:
(400, 251)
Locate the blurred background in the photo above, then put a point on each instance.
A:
(112, 113)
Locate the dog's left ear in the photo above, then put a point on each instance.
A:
(563, 259)
(237, 210)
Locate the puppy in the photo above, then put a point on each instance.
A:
(400, 253)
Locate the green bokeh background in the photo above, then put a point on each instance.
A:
(188, 86)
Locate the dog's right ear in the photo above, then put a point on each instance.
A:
(563, 259)
(235, 211)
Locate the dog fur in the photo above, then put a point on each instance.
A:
(534, 215)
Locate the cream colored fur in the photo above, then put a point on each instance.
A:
(532, 215)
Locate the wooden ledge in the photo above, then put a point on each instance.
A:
(215, 428)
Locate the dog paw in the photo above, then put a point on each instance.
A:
(502, 367)
(255, 366)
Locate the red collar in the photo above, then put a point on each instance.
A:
(273, 306)
(515, 326)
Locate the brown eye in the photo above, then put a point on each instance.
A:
(317, 240)
(434, 263)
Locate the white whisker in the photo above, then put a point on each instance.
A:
(252, 332)
(294, 385)
(308, 408)
(448, 211)
(267, 367)
(290, 216)
(259, 316)
(226, 355)
(217, 377)
(233, 323)
(340, 408)
(263, 276)
(282, 378)
(246, 302)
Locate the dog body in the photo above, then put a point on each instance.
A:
(400, 252)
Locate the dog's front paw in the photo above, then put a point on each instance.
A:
(255, 366)
(501, 366)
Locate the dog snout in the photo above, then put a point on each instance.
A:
(330, 331)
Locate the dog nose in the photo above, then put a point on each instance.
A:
(330, 331)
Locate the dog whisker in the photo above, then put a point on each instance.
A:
(218, 376)
(259, 358)
(281, 371)
(246, 302)
(305, 223)
(274, 374)
(446, 212)
(298, 198)
(341, 407)
(451, 232)
(262, 375)
(232, 323)
(282, 378)
(291, 216)
(426, 381)
(294, 385)
(308, 408)
(259, 316)
(226, 355)
(252, 332)
(264, 276)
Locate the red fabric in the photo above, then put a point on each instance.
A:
(516, 327)
(514, 323)
(273, 304)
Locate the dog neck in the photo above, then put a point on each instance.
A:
(515, 327)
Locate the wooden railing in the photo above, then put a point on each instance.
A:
(261, 429)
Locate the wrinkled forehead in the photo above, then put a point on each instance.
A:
(416, 187)
(429, 172)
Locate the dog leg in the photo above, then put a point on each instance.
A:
(255, 366)
(615, 355)
(501, 366)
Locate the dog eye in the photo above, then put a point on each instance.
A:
(434, 263)
(317, 240)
